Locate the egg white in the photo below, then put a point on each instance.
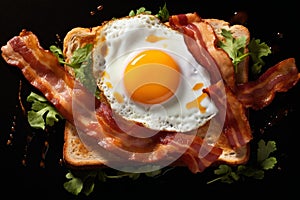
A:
(118, 42)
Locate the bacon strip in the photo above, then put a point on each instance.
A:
(42, 70)
(236, 127)
(52, 78)
(201, 41)
(200, 163)
(260, 93)
(200, 35)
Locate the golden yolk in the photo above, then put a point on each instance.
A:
(152, 77)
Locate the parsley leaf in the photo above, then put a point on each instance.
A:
(81, 55)
(58, 53)
(230, 174)
(234, 47)
(263, 152)
(74, 185)
(84, 181)
(81, 62)
(139, 11)
(226, 174)
(42, 113)
(257, 50)
(163, 13)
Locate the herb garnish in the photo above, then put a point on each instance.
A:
(264, 161)
(235, 48)
(83, 181)
(81, 62)
(163, 13)
(139, 11)
(42, 113)
(257, 50)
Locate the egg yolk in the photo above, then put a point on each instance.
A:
(152, 77)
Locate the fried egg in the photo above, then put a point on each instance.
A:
(148, 76)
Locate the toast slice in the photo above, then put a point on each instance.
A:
(76, 155)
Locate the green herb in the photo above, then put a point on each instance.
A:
(80, 183)
(234, 47)
(42, 113)
(163, 13)
(58, 53)
(81, 62)
(257, 50)
(81, 55)
(139, 11)
(84, 181)
(264, 161)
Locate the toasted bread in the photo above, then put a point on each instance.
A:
(76, 155)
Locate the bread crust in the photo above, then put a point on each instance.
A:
(76, 154)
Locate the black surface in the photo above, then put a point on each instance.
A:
(274, 23)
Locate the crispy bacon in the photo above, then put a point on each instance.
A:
(236, 126)
(201, 41)
(260, 93)
(43, 74)
(43, 71)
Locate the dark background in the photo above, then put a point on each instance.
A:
(274, 23)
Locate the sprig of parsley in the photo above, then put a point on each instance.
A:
(235, 48)
(162, 14)
(264, 161)
(58, 53)
(84, 181)
(81, 62)
(257, 50)
(42, 113)
(139, 11)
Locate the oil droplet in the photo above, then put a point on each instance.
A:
(92, 13)
(12, 131)
(58, 38)
(239, 17)
(42, 164)
(61, 162)
(100, 7)
(9, 142)
(279, 35)
(23, 162)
